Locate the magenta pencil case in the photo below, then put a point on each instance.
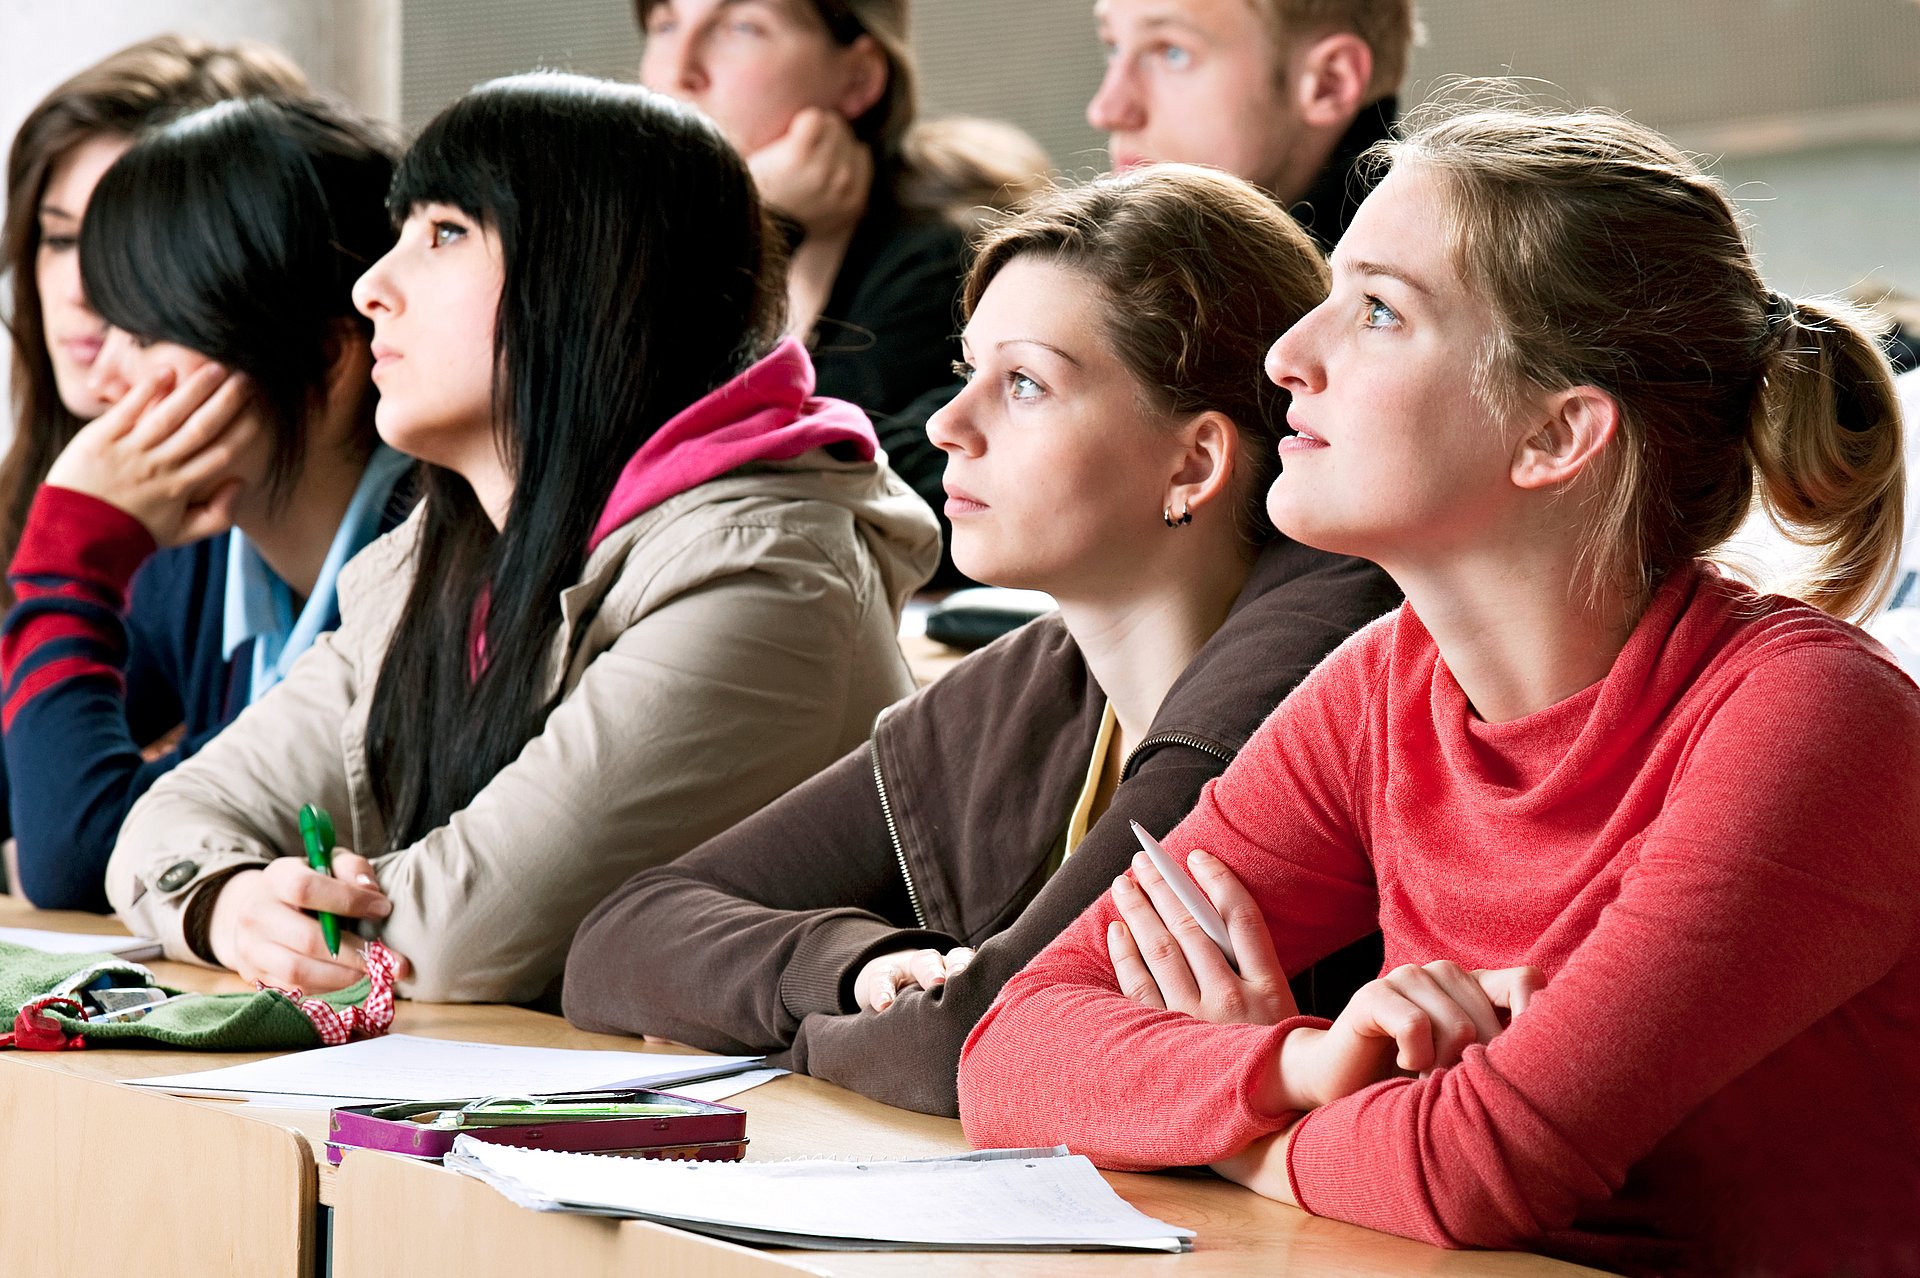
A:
(711, 1133)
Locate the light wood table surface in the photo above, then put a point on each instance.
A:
(194, 1187)
(928, 660)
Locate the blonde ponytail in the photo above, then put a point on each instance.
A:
(1610, 260)
(1827, 450)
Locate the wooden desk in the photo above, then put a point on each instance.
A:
(167, 1161)
(926, 659)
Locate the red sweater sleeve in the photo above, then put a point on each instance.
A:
(1776, 883)
(1063, 1057)
(70, 574)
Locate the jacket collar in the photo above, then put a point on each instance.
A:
(1031, 695)
(1330, 203)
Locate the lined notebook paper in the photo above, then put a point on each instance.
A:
(994, 1200)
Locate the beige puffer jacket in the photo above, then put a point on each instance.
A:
(717, 650)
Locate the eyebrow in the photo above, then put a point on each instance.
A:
(1381, 268)
(1034, 341)
(54, 210)
(1156, 21)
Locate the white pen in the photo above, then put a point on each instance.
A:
(1189, 893)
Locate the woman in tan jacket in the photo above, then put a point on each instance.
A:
(653, 584)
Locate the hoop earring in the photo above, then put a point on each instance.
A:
(1186, 517)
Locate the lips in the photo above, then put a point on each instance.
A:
(1301, 441)
(960, 502)
(383, 356)
(82, 350)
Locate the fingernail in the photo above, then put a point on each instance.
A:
(1140, 861)
(366, 880)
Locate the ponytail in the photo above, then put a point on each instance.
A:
(1610, 260)
(1826, 445)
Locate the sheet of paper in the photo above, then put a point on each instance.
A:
(719, 1089)
(1035, 1199)
(134, 948)
(404, 1067)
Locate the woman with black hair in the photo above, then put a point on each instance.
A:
(236, 472)
(653, 584)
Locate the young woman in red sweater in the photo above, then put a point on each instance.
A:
(1641, 841)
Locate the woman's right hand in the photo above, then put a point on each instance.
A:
(164, 454)
(1413, 1020)
(885, 975)
(263, 926)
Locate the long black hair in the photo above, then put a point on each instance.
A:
(238, 231)
(637, 277)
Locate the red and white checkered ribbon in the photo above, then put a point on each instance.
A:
(370, 1019)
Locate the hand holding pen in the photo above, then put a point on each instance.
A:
(263, 923)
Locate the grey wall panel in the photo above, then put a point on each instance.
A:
(448, 46)
(1035, 62)
(1689, 67)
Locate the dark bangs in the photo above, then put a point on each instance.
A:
(238, 232)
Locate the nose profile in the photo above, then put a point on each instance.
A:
(1116, 106)
(372, 296)
(951, 430)
(108, 379)
(1291, 364)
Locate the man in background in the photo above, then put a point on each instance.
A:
(1284, 93)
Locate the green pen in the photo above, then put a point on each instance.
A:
(316, 831)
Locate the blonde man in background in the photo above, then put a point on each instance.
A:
(1284, 93)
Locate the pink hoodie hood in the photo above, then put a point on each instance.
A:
(767, 413)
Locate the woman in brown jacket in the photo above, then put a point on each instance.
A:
(1112, 447)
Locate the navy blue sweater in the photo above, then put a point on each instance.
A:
(110, 647)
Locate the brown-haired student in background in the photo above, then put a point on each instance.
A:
(820, 96)
(1285, 93)
(66, 142)
(1110, 447)
(1641, 840)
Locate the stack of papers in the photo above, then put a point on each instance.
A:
(994, 1200)
(132, 948)
(404, 1067)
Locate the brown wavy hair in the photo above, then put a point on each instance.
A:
(129, 91)
(1610, 260)
(1201, 271)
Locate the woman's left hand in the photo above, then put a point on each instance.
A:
(1163, 958)
(818, 172)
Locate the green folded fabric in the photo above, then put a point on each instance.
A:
(264, 1020)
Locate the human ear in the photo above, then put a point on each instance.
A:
(1205, 473)
(1329, 79)
(867, 74)
(1574, 425)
